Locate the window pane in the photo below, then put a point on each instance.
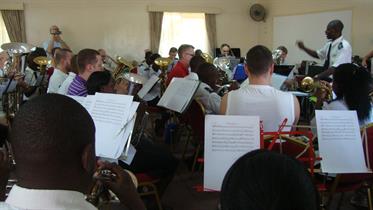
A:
(183, 28)
(4, 38)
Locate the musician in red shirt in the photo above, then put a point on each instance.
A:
(186, 52)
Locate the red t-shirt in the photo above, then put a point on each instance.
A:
(178, 71)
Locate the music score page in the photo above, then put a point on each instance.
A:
(226, 139)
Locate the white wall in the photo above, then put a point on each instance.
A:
(362, 19)
(122, 26)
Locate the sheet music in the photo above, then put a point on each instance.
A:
(131, 154)
(148, 86)
(226, 139)
(278, 80)
(178, 94)
(340, 142)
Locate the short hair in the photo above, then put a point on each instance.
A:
(148, 54)
(183, 48)
(153, 57)
(198, 52)
(263, 180)
(74, 64)
(97, 80)
(195, 62)
(336, 24)
(258, 60)
(173, 50)
(61, 54)
(225, 45)
(54, 49)
(42, 133)
(283, 49)
(204, 72)
(85, 57)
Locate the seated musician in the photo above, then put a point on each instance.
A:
(194, 63)
(181, 69)
(335, 52)
(239, 72)
(72, 73)
(56, 160)
(54, 41)
(351, 84)
(206, 93)
(60, 72)
(109, 62)
(258, 97)
(284, 54)
(33, 79)
(172, 55)
(264, 180)
(89, 61)
(226, 51)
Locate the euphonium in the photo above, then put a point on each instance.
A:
(223, 65)
(123, 66)
(12, 100)
(208, 58)
(163, 65)
(310, 86)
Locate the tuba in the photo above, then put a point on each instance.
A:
(163, 64)
(12, 100)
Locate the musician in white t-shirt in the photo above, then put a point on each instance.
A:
(258, 98)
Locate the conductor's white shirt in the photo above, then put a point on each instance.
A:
(340, 52)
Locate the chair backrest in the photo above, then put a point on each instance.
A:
(196, 119)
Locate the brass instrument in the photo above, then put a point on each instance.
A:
(163, 64)
(223, 65)
(123, 66)
(134, 82)
(208, 58)
(42, 61)
(310, 86)
(277, 56)
(12, 100)
(99, 195)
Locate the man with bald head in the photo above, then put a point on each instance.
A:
(54, 41)
(55, 167)
(335, 52)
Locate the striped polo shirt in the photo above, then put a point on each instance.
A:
(78, 87)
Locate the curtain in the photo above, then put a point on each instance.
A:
(155, 21)
(210, 20)
(14, 21)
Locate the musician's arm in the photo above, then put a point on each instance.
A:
(223, 104)
(296, 111)
(312, 53)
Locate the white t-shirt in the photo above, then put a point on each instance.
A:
(66, 84)
(56, 80)
(271, 105)
(340, 53)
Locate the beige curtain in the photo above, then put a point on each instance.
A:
(210, 20)
(155, 21)
(14, 21)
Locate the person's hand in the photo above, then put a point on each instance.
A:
(122, 185)
(4, 172)
(364, 62)
(300, 44)
(323, 91)
(234, 86)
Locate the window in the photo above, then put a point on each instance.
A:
(183, 28)
(4, 38)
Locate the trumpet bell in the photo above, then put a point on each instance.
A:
(123, 61)
(208, 58)
(307, 84)
(134, 78)
(17, 48)
(163, 62)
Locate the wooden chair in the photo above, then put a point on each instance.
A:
(147, 187)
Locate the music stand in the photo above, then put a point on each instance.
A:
(283, 70)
